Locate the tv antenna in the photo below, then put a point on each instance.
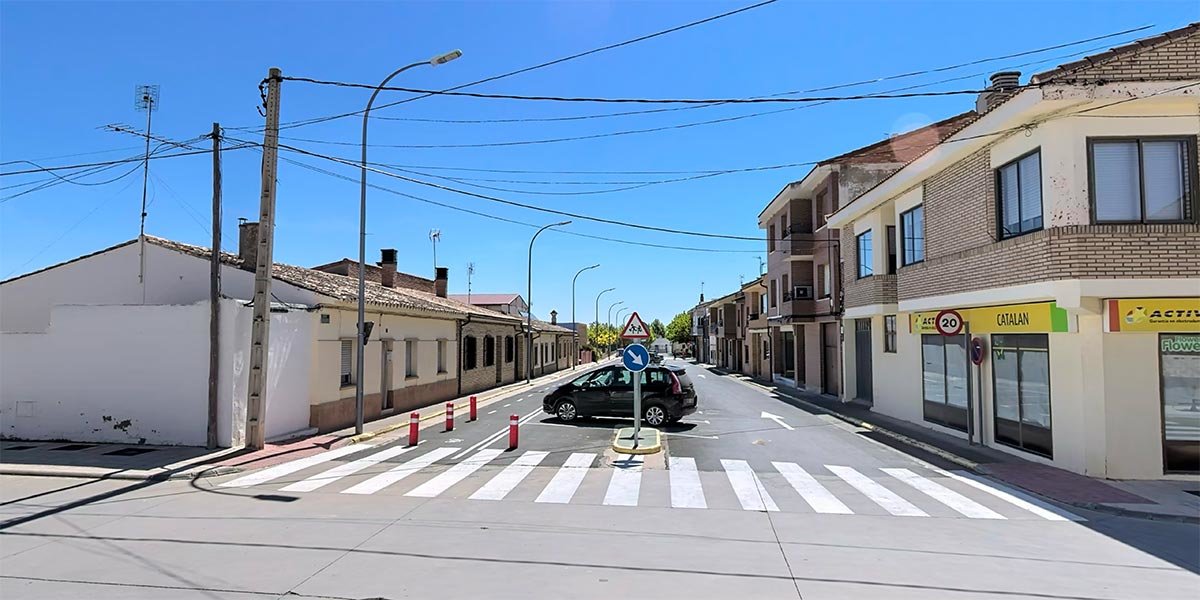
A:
(435, 236)
(145, 97)
(470, 272)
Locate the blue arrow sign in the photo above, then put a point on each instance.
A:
(635, 357)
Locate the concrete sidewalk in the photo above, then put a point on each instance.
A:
(149, 463)
(1159, 499)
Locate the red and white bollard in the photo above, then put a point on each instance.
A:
(513, 432)
(449, 416)
(474, 413)
(414, 428)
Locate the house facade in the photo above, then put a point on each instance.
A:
(756, 335)
(700, 332)
(1060, 227)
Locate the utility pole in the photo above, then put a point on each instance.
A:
(145, 98)
(470, 273)
(214, 292)
(256, 402)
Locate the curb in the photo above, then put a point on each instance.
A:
(652, 448)
(98, 473)
(973, 466)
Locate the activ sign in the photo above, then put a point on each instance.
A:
(1154, 314)
(1033, 317)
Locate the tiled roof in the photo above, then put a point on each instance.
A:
(349, 267)
(906, 147)
(548, 327)
(1065, 70)
(487, 298)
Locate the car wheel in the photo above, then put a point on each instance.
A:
(654, 415)
(566, 411)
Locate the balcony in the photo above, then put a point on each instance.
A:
(756, 321)
(802, 246)
(802, 310)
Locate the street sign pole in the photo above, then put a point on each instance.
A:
(637, 409)
(636, 358)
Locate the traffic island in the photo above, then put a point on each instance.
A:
(648, 441)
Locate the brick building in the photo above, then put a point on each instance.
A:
(1060, 224)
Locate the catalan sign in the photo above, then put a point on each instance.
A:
(1034, 317)
(1154, 314)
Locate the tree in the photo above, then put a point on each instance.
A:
(602, 335)
(679, 330)
(658, 329)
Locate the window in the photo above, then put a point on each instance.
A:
(787, 289)
(826, 280)
(945, 380)
(889, 333)
(1142, 180)
(762, 304)
(864, 255)
(912, 235)
(470, 350)
(410, 358)
(822, 209)
(1021, 388)
(771, 238)
(508, 349)
(1019, 195)
(489, 351)
(441, 356)
(772, 292)
(891, 248)
(1179, 363)
(347, 372)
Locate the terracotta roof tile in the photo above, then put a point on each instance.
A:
(1065, 70)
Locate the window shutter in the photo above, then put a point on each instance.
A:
(1031, 192)
(1010, 210)
(1115, 177)
(1163, 165)
(347, 353)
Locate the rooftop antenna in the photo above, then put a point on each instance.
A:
(760, 265)
(470, 272)
(145, 97)
(435, 236)
(741, 280)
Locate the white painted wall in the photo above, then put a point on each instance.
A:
(111, 278)
(96, 367)
(897, 376)
(1133, 416)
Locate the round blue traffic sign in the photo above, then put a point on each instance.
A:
(635, 357)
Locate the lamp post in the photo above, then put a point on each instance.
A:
(529, 304)
(611, 307)
(596, 323)
(574, 323)
(440, 59)
(620, 311)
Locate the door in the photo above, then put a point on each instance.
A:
(829, 361)
(385, 383)
(620, 395)
(788, 345)
(591, 398)
(862, 358)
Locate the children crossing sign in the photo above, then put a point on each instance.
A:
(635, 329)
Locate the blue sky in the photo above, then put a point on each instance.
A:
(69, 68)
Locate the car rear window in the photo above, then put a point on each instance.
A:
(683, 378)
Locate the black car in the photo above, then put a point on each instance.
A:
(667, 395)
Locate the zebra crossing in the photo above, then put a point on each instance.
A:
(781, 486)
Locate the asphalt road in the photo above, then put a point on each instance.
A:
(803, 506)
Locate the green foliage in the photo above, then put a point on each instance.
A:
(603, 336)
(679, 330)
(658, 329)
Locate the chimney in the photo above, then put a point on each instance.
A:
(387, 260)
(554, 317)
(248, 244)
(439, 282)
(701, 297)
(1004, 85)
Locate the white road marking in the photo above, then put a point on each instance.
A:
(686, 491)
(455, 474)
(626, 482)
(490, 412)
(487, 441)
(815, 494)
(507, 405)
(506, 480)
(399, 472)
(702, 376)
(878, 494)
(519, 399)
(691, 435)
(562, 487)
(323, 479)
(960, 503)
(778, 419)
(1044, 510)
(750, 491)
(299, 464)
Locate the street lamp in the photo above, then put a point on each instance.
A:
(574, 323)
(529, 304)
(596, 323)
(620, 311)
(612, 306)
(440, 59)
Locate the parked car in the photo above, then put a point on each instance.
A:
(656, 358)
(667, 395)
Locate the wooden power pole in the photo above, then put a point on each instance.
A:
(256, 401)
(214, 292)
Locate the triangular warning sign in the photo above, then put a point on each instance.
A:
(635, 328)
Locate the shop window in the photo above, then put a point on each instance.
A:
(1179, 366)
(889, 333)
(945, 380)
(1142, 180)
(1019, 195)
(1021, 391)
(470, 350)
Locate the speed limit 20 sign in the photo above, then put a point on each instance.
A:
(948, 322)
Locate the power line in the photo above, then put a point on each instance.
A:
(113, 162)
(556, 61)
(806, 91)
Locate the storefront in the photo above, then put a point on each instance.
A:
(1176, 322)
